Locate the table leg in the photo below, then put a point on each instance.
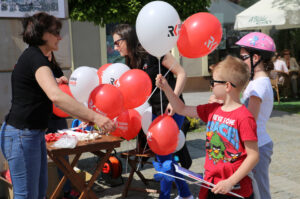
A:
(64, 179)
(133, 165)
(97, 172)
(66, 168)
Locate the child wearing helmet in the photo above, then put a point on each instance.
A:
(256, 51)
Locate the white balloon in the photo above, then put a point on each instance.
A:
(82, 81)
(157, 27)
(113, 73)
(142, 108)
(146, 119)
(181, 141)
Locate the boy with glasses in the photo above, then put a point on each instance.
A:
(231, 139)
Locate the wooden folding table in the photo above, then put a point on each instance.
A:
(107, 143)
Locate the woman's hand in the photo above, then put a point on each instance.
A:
(62, 80)
(169, 110)
(104, 123)
(222, 187)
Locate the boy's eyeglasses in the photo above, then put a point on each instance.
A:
(212, 83)
(117, 42)
(244, 57)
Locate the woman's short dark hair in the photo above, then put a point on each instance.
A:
(35, 26)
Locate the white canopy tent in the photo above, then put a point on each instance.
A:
(225, 10)
(282, 14)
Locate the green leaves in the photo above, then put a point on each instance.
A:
(125, 11)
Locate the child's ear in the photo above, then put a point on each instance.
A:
(256, 57)
(228, 87)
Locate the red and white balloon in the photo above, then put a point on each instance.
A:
(106, 99)
(162, 135)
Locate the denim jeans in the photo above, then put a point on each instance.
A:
(166, 186)
(25, 151)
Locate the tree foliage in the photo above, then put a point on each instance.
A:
(125, 11)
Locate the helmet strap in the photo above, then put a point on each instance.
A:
(253, 65)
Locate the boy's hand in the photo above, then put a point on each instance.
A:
(213, 99)
(161, 82)
(222, 187)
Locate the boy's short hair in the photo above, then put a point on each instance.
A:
(234, 70)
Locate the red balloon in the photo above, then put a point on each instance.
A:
(107, 100)
(199, 35)
(134, 125)
(58, 112)
(162, 135)
(128, 124)
(100, 71)
(121, 123)
(135, 86)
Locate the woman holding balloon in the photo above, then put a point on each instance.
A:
(34, 89)
(127, 43)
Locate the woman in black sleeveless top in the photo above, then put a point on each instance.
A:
(126, 42)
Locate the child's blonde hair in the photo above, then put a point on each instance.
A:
(234, 70)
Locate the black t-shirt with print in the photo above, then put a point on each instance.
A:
(31, 108)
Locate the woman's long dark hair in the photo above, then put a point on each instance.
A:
(136, 53)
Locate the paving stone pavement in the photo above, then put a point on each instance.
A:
(284, 128)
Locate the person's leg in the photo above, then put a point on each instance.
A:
(43, 183)
(294, 85)
(185, 159)
(182, 186)
(261, 170)
(21, 148)
(165, 186)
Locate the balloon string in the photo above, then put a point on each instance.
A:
(160, 91)
(198, 183)
(156, 86)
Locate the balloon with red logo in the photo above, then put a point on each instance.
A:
(58, 112)
(162, 135)
(134, 125)
(121, 123)
(101, 70)
(82, 81)
(135, 86)
(157, 27)
(200, 34)
(113, 73)
(107, 100)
